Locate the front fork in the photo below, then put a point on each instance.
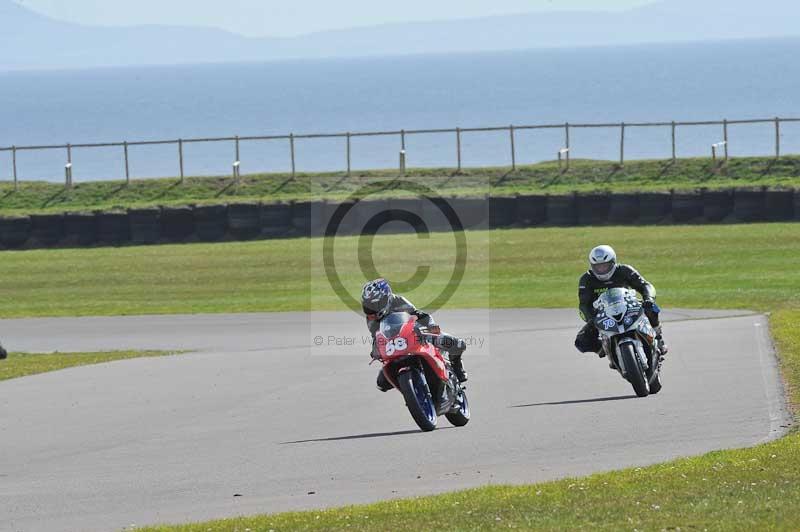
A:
(611, 347)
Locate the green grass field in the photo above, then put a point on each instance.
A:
(583, 175)
(727, 266)
(721, 266)
(25, 364)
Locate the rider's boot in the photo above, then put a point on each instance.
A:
(3, 353)
(383, 383)
(458, 368)
(454, 347)
(660, 338)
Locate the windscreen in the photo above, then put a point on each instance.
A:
(613, 301)
(391, 324)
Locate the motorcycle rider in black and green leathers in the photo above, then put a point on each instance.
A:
(604, 273)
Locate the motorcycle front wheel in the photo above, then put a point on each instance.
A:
(635, 373)
(418, 398)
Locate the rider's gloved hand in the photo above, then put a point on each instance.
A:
(434, 329)
(375, 354)
(650, 306)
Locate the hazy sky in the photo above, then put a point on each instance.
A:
(293, 17)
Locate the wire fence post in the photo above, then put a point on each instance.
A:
(180, 157)
(777, 138)
(567, 146)
(458, 147)
(348, 136)
(127, 165)
(291, 149)
(513, 148)
(237, 162)
(68, 168)
(14, 165)
(402, 152)
(674, 147)
(622, 144)
(725, 136)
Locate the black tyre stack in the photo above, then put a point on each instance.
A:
(177, 223)
(717, 205)
(779, 205)
(145, 225)
(623, 209)
(80, 229)
(301, 219)
(502, 212)
(748, 205)
(47, 230)
(210, 222)
(15, 231)
(244, 220)
(561, 210)
(654, 207)
(531, 210)
(687, 207)
(276, 219)
(113, 228)
(593, 209)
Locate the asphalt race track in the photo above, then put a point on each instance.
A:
(260, 419)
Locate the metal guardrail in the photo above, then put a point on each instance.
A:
(402, 133)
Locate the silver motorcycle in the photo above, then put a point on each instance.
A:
(629, 340)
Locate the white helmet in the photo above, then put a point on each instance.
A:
(603, 262)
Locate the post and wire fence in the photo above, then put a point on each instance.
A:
(563, 152)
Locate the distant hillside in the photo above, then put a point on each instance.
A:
(29, 40)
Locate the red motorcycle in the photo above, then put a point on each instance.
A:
(421, 372)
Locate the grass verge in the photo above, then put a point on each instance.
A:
(725, 266)
(24, 364)
(583, 175)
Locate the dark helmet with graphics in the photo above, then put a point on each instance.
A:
(376, 298)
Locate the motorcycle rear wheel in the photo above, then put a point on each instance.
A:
(635, 372)
(418, 398)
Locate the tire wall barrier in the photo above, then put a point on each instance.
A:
(210, 222)
(796, 204)
(145, 225)
(247, 221)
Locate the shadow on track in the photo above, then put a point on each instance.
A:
(579, 401)
(361, 436)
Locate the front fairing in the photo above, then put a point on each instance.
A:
(397, 339)
(619, 311)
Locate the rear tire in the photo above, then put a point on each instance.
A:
(633, 367)
(460, 417)
(418, 398)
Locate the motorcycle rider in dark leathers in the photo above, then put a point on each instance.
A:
(604, 273)
(378, 301)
